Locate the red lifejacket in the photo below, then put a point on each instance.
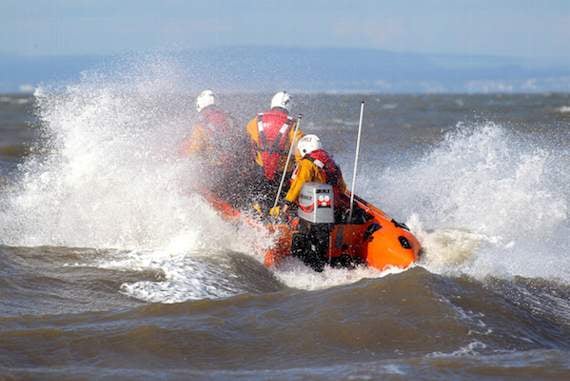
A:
(222, 138)
(215, 120)
(273, 127)
(331, 171)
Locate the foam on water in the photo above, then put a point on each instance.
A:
(492, 202)
(295, 274)
(186, 275)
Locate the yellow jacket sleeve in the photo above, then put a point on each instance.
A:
(253, 133)
(251, 129)
(196, 142)
(296, 136)
(306, 171)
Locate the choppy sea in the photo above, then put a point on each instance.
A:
(111, 267)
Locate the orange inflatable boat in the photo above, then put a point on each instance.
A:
(319, 236)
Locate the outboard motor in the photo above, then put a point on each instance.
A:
(316, 212)
(316, 203)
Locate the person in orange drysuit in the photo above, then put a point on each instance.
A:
(271, 134)
(315, 165)
(217, 144)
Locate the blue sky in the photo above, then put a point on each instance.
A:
(523, 28)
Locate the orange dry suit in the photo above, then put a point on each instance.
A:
(221, 148)
(317, 166)
(271, 134)
(212, 137)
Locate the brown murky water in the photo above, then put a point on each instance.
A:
(100, 280)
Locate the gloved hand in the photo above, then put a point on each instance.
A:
(275, 211)
(257, 207)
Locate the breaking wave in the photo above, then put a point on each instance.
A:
(491, 202)
(110, 177)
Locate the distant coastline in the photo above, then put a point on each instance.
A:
(328, 70)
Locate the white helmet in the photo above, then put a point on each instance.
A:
(205, 99)
(281, 99)
(308, 144)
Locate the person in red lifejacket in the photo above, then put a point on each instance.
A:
(316, 165)
(212, 134)
(271, 134)
(217, 144)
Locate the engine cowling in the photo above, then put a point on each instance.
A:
(316, 203)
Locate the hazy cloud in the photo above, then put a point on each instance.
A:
(368, 33)
(509, 27)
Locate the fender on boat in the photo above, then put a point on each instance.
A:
(388, 242)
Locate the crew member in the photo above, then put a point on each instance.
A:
(311, 242)
(213, 132)
(316, 165)
(271, 134)
(215, 141)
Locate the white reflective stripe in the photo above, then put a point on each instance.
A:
(319, 164)
(260, 125)
(283, 128)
